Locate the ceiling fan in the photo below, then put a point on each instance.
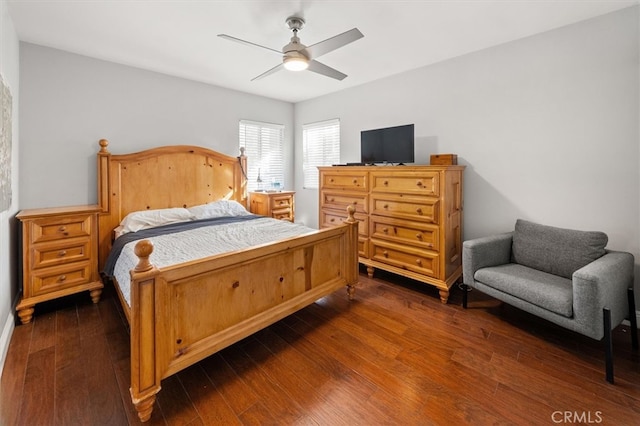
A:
(298, 57)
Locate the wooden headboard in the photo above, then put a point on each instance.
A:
(163, 177)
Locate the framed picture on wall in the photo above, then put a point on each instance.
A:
(5, 146)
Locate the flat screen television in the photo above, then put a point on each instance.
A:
(387, 145)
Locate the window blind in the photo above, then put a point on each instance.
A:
(264, 148)
(321, 147)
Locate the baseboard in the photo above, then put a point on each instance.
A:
(5, 339)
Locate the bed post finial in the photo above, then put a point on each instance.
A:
(143, 250)
(241, 180)
(351, 212)
(103, 145)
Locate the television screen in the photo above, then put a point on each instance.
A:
(387, 145)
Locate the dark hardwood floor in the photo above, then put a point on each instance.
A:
(395, 355)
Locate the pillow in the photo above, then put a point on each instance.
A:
(557, 251)
(221, 208)
(144, 219)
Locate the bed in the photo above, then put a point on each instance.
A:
(181, 313)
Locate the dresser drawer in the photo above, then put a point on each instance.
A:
(418, 234)
(410, 183)
(340, 200)
(56, 228)
(57, 253)
(329, 218)
(363, 247)
(412, 259)
(59, 277)
(355, 181)
(412, 208)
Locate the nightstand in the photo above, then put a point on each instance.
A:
(279, 205)
(59, 255)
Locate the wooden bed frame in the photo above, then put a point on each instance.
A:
(184, 313)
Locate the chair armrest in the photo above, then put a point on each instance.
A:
(482, 252)
(603, 283)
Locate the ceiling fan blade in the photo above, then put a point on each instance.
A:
(323, 69)
(333, 43)
(269, 72)
(237, 40)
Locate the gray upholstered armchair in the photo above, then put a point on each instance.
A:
(564, 276)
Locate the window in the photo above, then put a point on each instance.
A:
(321, 147)
(264, 148)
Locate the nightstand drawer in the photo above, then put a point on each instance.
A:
(281, 201)
(55, 228)
(59, 277)
(45, 255)
(282, 214)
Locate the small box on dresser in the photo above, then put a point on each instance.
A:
(278, 205)
(443, 160)
(59, 255)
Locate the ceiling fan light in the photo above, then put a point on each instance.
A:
(296, 63)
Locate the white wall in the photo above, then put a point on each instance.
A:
(547, 127)
(69, 102)
(9, 60)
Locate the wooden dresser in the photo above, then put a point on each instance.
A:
(279, 205)
(410, 218)
(59, 255)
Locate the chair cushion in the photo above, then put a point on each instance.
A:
(542, 289)
(554, 250)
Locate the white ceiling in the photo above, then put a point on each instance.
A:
(179, 38)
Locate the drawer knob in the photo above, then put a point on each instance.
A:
(62, 253)
(331, 180)
(63, 230)
(385, 230)
(62, 278)
(419, 261)
(386, 206)
(385, 253)
(386, 182)
(355, 202)
(429, 245)
(333, 219)
(419, 183)
(419, 210)
(332, 199)
(419, 236)
(355, 181)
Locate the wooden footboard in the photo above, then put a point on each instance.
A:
(182, 314)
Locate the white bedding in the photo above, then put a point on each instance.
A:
(194, 244)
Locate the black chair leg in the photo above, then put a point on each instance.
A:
(608, 344)
(632, 318)
(465, 290)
